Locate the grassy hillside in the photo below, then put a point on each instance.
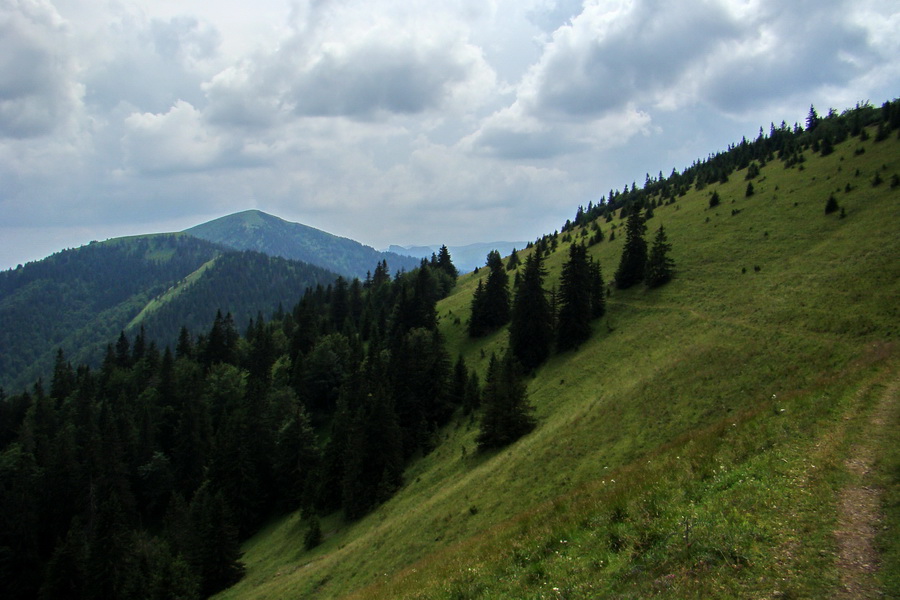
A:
(707, 441)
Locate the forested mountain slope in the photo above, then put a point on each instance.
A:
(80, 299)
(695, 445)
(256, 230)
(708, 408)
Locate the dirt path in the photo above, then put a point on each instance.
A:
(859, 508)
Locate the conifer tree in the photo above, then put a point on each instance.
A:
(574, 324)
(659, 264)
(598, 291)
(634, 253)
(491, 305)
(212, 546)
(507, 413)
(445, 263)
(531, 326)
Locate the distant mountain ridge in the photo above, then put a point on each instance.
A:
(80, 299)
(262, 232)
(465, 258)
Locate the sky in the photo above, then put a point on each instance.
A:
(415, 122)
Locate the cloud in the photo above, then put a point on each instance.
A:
(785, 53)
(616, 53)
(407, 122)
(380, 74)
(150, 64)
(176, 141)
(38, 89)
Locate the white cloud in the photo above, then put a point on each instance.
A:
(38, 89)
(407, 122)
(176, 141)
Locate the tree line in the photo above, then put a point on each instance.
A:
(141, 477)
(542, 320)
(782, 142)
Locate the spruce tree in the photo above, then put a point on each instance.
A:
(444, 262)
(574, 325)
(598, 290)
(634, 253)
(491, 303)
(496, 292)
(507, 413)
(531, 326)
(476, 320)
(659, 265)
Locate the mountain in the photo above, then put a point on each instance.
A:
(697, 445)
(80, 299)
(256, 230)
(728, 433)
(465, 258)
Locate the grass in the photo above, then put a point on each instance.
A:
(693, 447)
(158, 302)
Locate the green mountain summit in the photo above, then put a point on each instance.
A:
(262, 232)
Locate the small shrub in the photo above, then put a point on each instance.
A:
(831, 205)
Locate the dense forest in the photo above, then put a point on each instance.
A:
(79, 299)
(140, 478)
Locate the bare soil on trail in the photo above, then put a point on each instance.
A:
(859, 512)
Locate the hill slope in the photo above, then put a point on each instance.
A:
(256, 230)
(695, 446)
(466, 258)
(80, 299)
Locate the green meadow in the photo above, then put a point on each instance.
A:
(699, 445)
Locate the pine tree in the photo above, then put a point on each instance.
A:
(507, 413)
(574, 324)
(531, 326)
(659, 265)
(476, 325)
(445, 263)
(491, 303)
(634, 253)
(812, 119)
(598, 291)
(496, 292)
(212, 547)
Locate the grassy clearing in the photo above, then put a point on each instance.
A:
(692, 448)
(173, 292)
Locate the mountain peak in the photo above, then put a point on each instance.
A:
(256, 230)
